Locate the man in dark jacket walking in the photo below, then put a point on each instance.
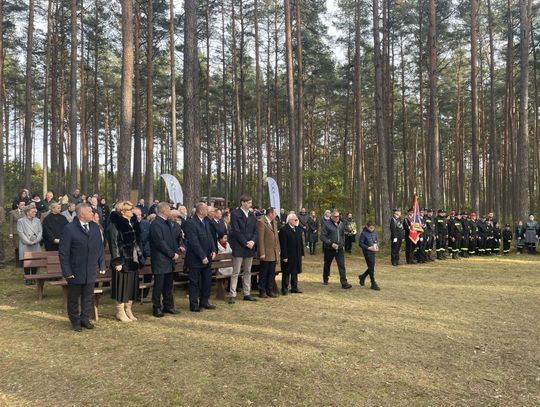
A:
(369, 243)
(163, 249)
(200, 251)
(243, 235)
(333, 238)
(81, 254)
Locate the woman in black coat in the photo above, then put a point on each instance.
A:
(53, 225)
(312, 234)
(124, 237)
(292, 254)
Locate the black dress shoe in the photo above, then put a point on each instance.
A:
(263, 295)
(158, 313)
(362, 279)
(208, 306)
(325, 282)
(296, 291)
(272, 295)
(195, 309)
(232, 300)
(249, 298)
(88, 325)
(173, 311)
(346, 286)
(76, 328)
(375, 287)
(284, 292)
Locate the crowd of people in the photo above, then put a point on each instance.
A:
(459, 235)
(81, 228)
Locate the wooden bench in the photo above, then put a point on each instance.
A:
(39, 260)
(48, 261)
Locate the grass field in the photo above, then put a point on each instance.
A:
(453, 333)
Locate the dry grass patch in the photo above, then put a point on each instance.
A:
(444, 334)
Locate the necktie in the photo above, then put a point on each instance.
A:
(85, 226)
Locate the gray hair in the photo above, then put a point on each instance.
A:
(80, 207)
(55, 205)
(199, 207)
(290, 216)
(162, 207)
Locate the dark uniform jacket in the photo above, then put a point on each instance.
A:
(163, 246)
(81, 253)
(396, 229)
(199, 242)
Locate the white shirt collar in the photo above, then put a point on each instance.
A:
(245, 212)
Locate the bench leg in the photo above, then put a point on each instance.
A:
(40, 287)
(65, 293)
(95, 313)
(275, 287)
(220, 289)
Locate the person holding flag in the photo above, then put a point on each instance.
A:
(413, 229)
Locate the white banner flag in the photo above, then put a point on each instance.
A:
(173, 188)
(273, 190)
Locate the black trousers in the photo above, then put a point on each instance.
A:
(200, 282)
(312, 246)
(409, 250)
(267, 276)
(473, 244)
(163, 286)
(370, 262)
(291, 277)
(349, 239)
(506, 246)
(396, 247)
(86, 293)
(329, 256)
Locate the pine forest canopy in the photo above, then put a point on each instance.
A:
(354, 103)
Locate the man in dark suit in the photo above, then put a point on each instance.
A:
(164, 253)
(292, 254)
(81, 254)
(242, 236)
(218, 225)
(200, 251)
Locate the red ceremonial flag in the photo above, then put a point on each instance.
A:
(415, 226)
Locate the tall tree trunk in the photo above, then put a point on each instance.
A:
(2, 100)
(258, 108)
(73, 100)
(293, 156)
(436, 195)
(172, 59)
(84, 128)
(522, 197)
(475, 181)
(96, 113)
(45, 96)
(236, 108)
(300, 85)
(379, 117)
(359, 185)
(136, 180)
(28, 116)
(149, 168)
(494, 178)
(208, 137)
(126, 115)
(192, 139)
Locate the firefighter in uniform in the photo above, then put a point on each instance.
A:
(473, 234)
(482, 235)
(441, 234)
(429, 234)
(466, 235)
(489, 237)
(455, 233)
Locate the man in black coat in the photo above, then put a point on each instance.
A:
(292, 254)
(242, 237)
(81, 254)
(200, 251)
(396, 235)
(333, 238)
(163, 249)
